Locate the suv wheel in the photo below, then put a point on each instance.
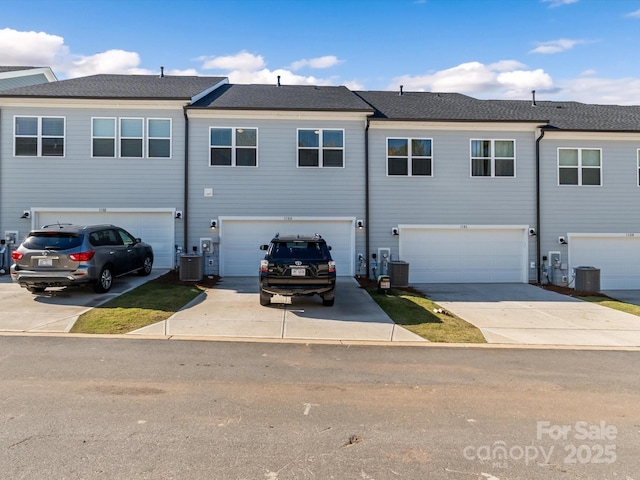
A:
(103, 285)
(146, 266)
(36, 289)
(328, 302)
(265, 298)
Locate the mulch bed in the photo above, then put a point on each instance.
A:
(173, 278)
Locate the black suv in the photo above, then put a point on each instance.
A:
(297, 265)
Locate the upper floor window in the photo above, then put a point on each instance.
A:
(233, 147)
(493, 158)
(320, 148)
(39, 136)
(579, 166)
(410, 157)
(125, 137)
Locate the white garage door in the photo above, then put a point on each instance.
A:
(616, 255)
(464, 254)
(240, 241)
(153, 227)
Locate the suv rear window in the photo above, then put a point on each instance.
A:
(301, 250)
(52, 241)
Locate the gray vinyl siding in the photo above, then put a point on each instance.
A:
(451, 196)
(609, 208)
(276, 187)
(79, 181)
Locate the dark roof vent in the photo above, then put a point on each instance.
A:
(161, 72)
(401, 87)
(533, 94)
(278, 80)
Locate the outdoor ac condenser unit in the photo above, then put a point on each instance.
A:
(191, 268)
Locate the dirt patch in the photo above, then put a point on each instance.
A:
(173, 278)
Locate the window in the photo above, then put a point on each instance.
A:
(493, 158)
(579, 166)
(639, 167)
(39, 136)
(131, 137)
(409, 157)
(103, 137)
(320, 148)
(159, 138)
(233, 147)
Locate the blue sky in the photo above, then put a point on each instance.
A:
(582, 50)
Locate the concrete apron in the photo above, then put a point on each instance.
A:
(232, 309)
(526, 314)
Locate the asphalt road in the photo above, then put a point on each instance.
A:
(84, 408)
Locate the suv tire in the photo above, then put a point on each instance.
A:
(147, 265)
(265, 298)
(105, 280)
(328, 302)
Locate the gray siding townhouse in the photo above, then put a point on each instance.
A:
(464, 190)
(99, 149)
(15, 77)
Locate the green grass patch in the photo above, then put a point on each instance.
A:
(147, 304)
(611, 303)
(417, 314)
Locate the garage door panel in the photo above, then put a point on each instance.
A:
(472, 255)
(154, 228)
(240, 242)
(617, 257)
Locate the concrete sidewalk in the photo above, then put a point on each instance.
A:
(232, 309)
(525, 314)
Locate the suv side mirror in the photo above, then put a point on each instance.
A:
(329, 247)
(264, 247)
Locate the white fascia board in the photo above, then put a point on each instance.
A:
(459, 126)
(285, 218)
(27, 72)
(43, 102)
(274, 114)
(568, 135)
(206, 92)
(102, 210)
(463, 227)
(603, 235)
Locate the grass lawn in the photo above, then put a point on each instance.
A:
(417, 314)
(150, 303)
(611, 303)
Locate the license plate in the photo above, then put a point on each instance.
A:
(298, 272)
(45, 262)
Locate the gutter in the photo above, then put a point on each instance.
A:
(366, 195)
(185, 216)
(538, 221)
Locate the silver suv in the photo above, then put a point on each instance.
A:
(62, 255)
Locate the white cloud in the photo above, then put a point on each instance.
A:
(31, 48)
(616, 91)
(635, 14)
(243, 61)
(111, 61)
(559, 3)
(507, 79)
(556, 46)
(319, 62)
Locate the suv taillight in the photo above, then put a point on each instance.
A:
(264, 266)
(16, 256)
(332, 267)
(82, 256)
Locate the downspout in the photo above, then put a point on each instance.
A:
(185, 217)
(366, 196)
(538, 222)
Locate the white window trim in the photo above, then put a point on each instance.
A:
(637, 169)
(121, 137)
(409, 157)
(579, 167)
(149, 137)
(233, 147)
(493, 157)
(39, 136)
(320, 148)
(115, 137)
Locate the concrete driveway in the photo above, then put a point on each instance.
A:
(57, 309)
(526, 314)
(232, 309)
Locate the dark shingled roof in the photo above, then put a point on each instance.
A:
(425, 106)
(120, 86)
(4, 69)
(285, 97)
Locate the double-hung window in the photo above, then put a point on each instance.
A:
(103, 137)
(493, 158)
(131, 138)
(39, 136)
(409, 157)
(233, 147)
(126, 137)
(580, 166)
(320, 148)
(159, 137)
